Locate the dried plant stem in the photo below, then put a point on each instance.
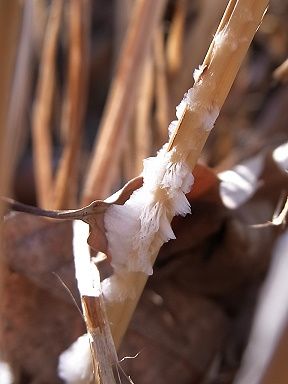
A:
(143, 134)
(42, 147)
(197, 37)
(238, 26)
(104, 356)
(162, 104)
(175, 39)
(10, 23)
(113, 128)
(17, 122)
(129, 153)
(10, 16)
(73, 111)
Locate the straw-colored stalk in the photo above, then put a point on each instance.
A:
(229, 46)
(161, 89)
(41, 133)
(73, 109)
(10, 23)
(17, 122)
(113, 128)
(175, 39)
(197, 38)
(143, 133)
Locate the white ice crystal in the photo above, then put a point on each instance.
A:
(198, 72)
(75, 364)
(136, 230)
(88, 279)
(209, 118)
(6, 376)
(131, 228)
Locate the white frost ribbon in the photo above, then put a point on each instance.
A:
(87, 276)
(132, 227)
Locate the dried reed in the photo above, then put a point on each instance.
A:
(42, 145)
(229, 46)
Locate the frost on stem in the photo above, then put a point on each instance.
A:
(135, 229)
(75, 363)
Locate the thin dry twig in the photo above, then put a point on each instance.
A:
(114, 124)
(17, 123)
(42, 146)
(238, 26)
(74, 105)
(161, 91)
(197, 37)
(10, 23)
(175, 39)
(143, 134)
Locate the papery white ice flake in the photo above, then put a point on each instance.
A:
(131, 228)
(75, 364)
(198, 72)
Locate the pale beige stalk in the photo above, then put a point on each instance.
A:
(143, 133)
(197, 37)
(74, 106)
(175, 39)
(114, 124)
(10, 23)
(240, 23)
(161, 87)
(42, 146)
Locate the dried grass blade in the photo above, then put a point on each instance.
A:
(192, 131)
(103, 350)
(42, 146)
(74, 105)
(17, 124)
(114, 124)
(162, 102)
(143, 124)
(175, 39)
(10, 23)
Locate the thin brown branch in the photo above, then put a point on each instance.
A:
(197, 37)
(42, 146)
(143, 132)
(211, 89)
(161, 91)
(17, 124)
(175, 39)
(114, 124)
(74, 105)
(10, 23)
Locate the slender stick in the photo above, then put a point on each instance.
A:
(10, 23)
(114, 124)
(17, 124)
(175, 39)
(96, 207)
(161, 91)
(197, 37)
(42, 146)
(239, 24)
(73, 111)
(143, 134)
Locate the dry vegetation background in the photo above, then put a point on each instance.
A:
(193, 322)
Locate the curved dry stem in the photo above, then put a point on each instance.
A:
(229, 46)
